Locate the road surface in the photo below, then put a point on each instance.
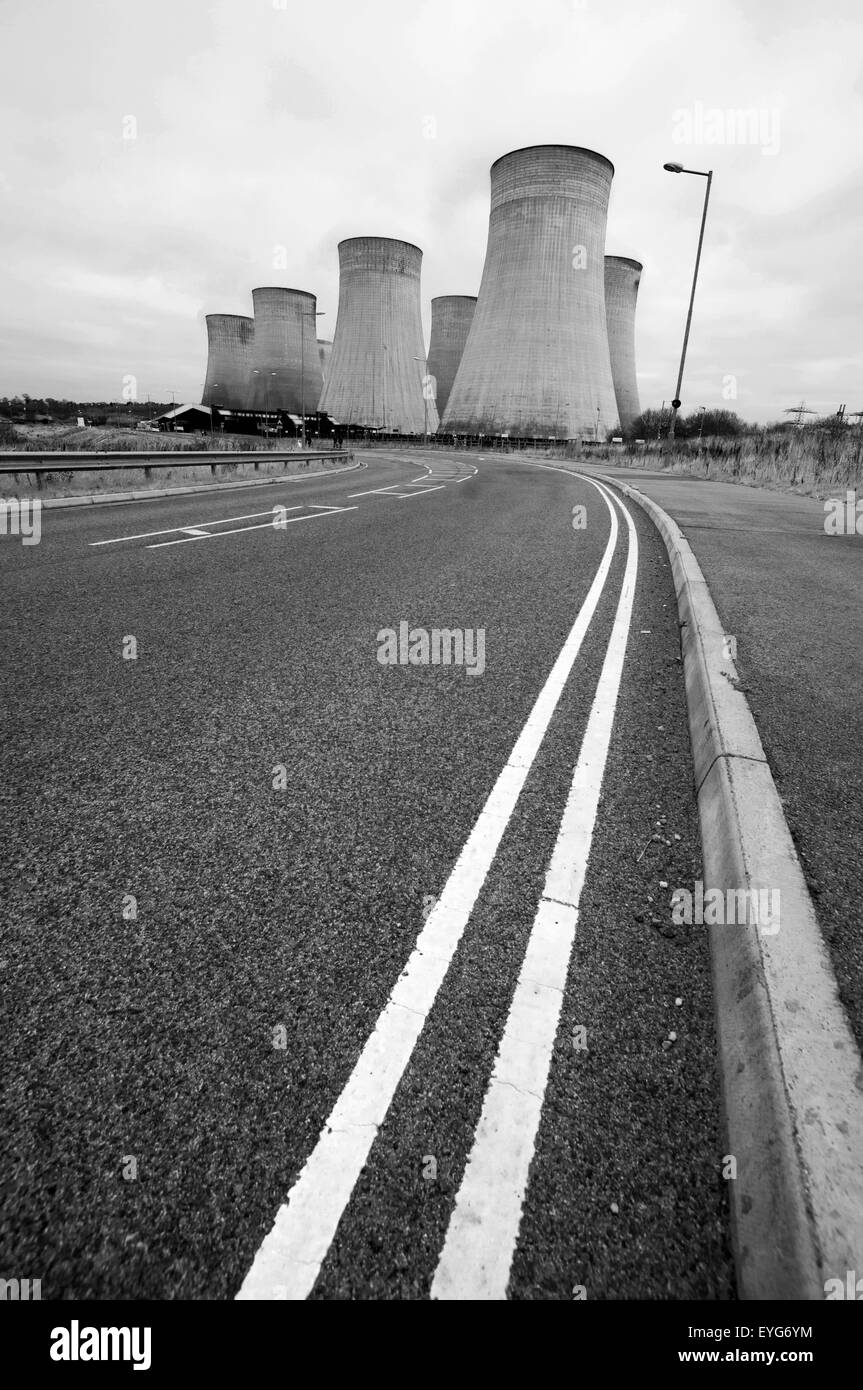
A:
(227, 823)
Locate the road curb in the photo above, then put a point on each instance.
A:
(89, 499)
(792, 1081)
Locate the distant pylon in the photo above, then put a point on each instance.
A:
(799, 411)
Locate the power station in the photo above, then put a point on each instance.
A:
(375, 372)
(622, 278)
(545, 351)
(536, 362)
(230, 338)
(286, 367)
(452, 316)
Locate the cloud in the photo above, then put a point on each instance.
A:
(257, 127)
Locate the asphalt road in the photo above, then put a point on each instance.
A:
(286, 813)
(792, 596)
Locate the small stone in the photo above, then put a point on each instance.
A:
(672, 1037)
(678, 1002)
(615, 1208)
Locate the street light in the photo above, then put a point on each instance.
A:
(700, 173)
(425, 363)
(266, 375)
(305, 314)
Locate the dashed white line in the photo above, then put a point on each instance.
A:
(289, 1259)
(408, 495)
(483, 1229)
(217, 521)
(372, 490)
(275, 525)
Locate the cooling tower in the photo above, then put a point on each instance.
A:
(377, 365)
(622, 278)
(285, 352)
(452, 316)
(229, 361)
(325, 350)
(536, 362)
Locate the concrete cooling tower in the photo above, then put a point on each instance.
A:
(324, 352)
(622, 278)
(375, 373)
(536, 362)
(285, 352)
(452, 316)
(229, 361)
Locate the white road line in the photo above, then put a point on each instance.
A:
(373, 490)
(217, 521)
(238, 530)
(483, 1229)
(289, 1259)
(408, 495)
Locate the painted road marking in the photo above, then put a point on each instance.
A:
(172, 530)
(483, 1229)
(275, 525)
(290, 1256)
(408, 495)
(371, 492)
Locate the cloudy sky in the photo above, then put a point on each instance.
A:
(155, 155)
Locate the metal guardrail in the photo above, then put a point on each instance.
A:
(39, 462)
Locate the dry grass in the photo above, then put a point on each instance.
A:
(93, 438)
(814, 462)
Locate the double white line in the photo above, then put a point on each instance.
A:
(484, 1225)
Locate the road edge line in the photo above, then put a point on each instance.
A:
(790, 1070)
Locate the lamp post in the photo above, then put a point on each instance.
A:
(266, 375)
(426, 378)
(305, 314)
(703, 174)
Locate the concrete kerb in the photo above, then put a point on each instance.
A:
(792, 1081)
(94, 498)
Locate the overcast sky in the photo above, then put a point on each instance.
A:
(260, 125)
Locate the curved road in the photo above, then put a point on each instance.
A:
(229, 822)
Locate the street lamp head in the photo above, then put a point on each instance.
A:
(673, 168)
